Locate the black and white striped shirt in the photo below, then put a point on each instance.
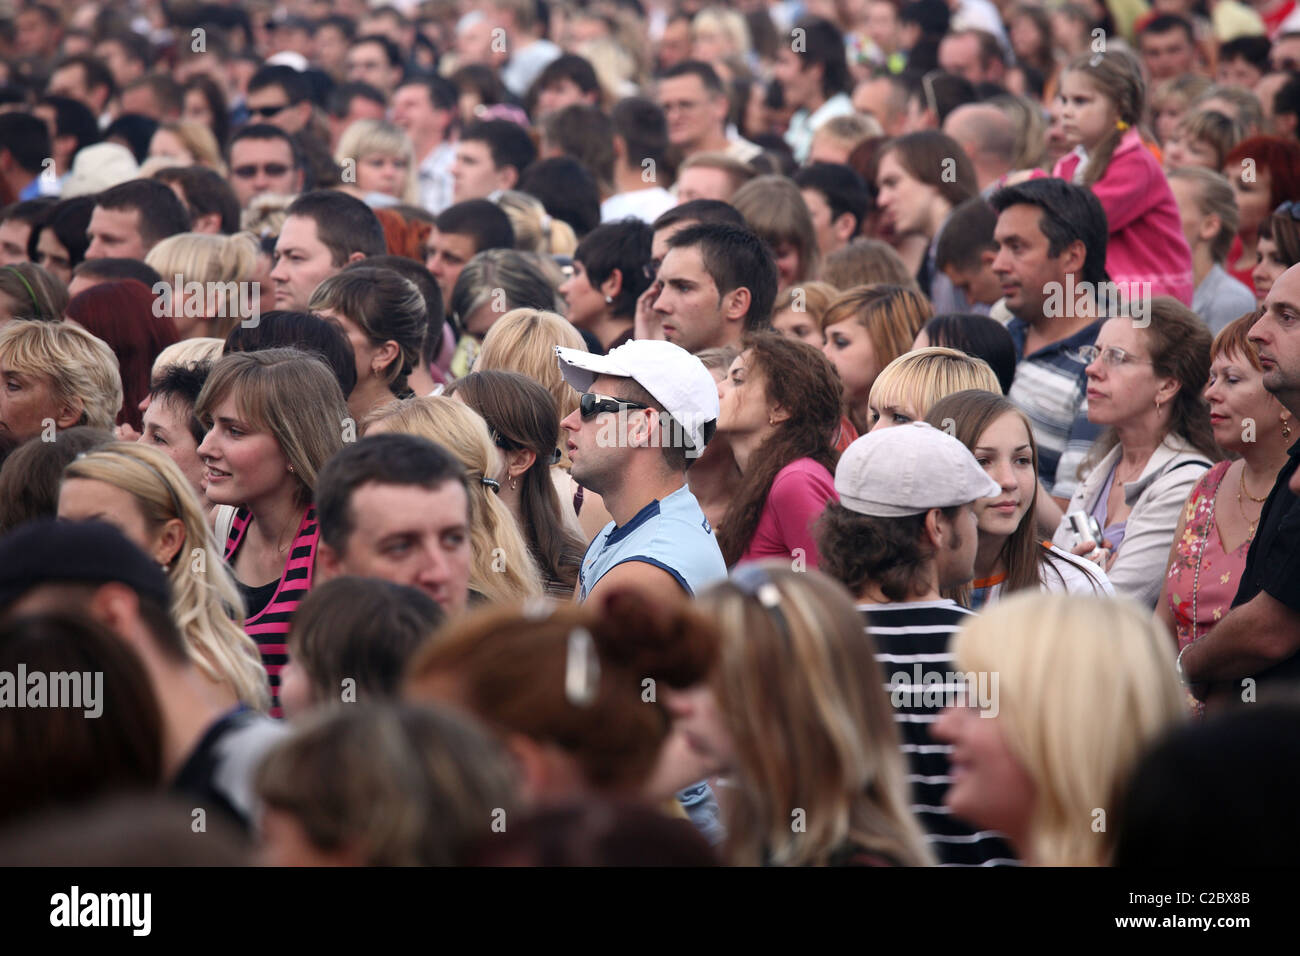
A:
(912, 639)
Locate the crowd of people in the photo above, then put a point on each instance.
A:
(649, 432)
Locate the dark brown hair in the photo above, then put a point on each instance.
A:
(891, 553)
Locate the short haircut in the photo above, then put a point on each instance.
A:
(699, 211)
(1286, 101)
(737, 172)
(706, 74)
(387, 459)
(1165, 23)
(481, 219)
(940, 92)
(733, 256)
(166, 91)
(928, 155)
(1253, 49)
(73, 118)
(891, 553)
(571, 67)
(391, 50)
(514, 279)
(180, 385)
(1068, 213)
(340, 100)
(978, 336)
(136, 46)
(161, 212)
(296, 86)
(508, 143)
(843, 189)
(567, 190)
(643, 128)
(304, 331)
(206, 192)
(26, 138)
(586, 134)
(824, 44)
(1217, 130)
(344, 224)
(30, 211)
(116, 269)
(360, 629)
(1234, 341)
(96, 71)
(264, 131)
(624, 246)
(78, 365)
(32, 472)
(967, 233)
(136, 130)
(442, 92)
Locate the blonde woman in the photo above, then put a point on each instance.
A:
(794, 715)
(381, 160)
(503, 570)
(56, 375)
(907, 388)
(226, 267)
(535, 230)
(524, 341)
(144, 493)
(186, 143)
(1084, 686)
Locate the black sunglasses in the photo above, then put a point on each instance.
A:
(271, 169)
(591, 405)
(268, 111)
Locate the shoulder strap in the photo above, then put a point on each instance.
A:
(225, 518)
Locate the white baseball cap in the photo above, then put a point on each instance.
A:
(907, 470)
(676, 378)
(98, 167)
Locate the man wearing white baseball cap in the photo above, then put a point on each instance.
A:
(647, 410)
(903, 532)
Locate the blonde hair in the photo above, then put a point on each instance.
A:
(803, 698)
(850, 131)
(266, 214)
(368, 137)
(220, 263)
(866, 262)
(1086, 684)
(1214, 197)
(815, 297)
(81, 368)
(730, 25)
(503, 570)
(535, 229)
(524, 341)
(202, 587)
(915, 381)
(290, 393)
(199, 142)
(187, 352)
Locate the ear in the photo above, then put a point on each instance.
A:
(1074, 256)
(735, 304)
(328, 562)
(507, 177)
(613, 283)
(304, 111)
(620, 150)
(842, 226)
(1168, 390)
(69, 413)
(386, 354)
(170, 541)
(518, 462)
(778, 414)
(531, 761)
(117, 607)
(298, 180)
(936, 528)
(355, 257)
(1210, 226)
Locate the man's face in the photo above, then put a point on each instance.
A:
(1166, 55)
(694, 115)
(14, 234)
(34, 36)
(141, 100)
(961, 55)
(1277, 336)
(980, 285)
(802, 87)
(955, 558)
(563, 92)
(675, 43)
(448, 253)
(70, 81)
(271, 105)
(409, 535)
(1238, 72)
(124, 68)
(473, 173)
(115, 233)
(1285, 55)
(330, 49)
(704, 182)
(368, 63)
(831, 234)
(692, 311)
(262, 166)
(876, 98)
(598, 447)
(1022, 263)
(302, 262)
(414, 112)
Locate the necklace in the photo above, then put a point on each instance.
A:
(1252, 525)
(1246, 490)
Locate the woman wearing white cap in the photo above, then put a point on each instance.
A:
(780, 410)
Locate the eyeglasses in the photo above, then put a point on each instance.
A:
(1289, 208)
(268, 111)
(1112, 356)
(271, 169)
(591, 405)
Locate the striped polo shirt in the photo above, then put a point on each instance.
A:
(912, 643)
(1051, 389)
(269, 627)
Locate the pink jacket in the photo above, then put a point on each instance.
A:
(1146, 234)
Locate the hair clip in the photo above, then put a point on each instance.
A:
(1121, 125)
(581, 669)
(492, 483)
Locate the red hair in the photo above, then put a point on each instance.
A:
(404, 237)
(122, 314)
(1281, 157)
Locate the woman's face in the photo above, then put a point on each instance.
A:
(789, 264)
(990, 787)
(1235, 393)
(1253, 197)
(197, 109)
(1004, 450)
(1166, 116)
(1121, 394)
(1268, 268)
(85, 499)
(53, 257)
(28, 402)
(242, 461)
(586, 302)
(800, 326)
(848, 346)
(699, 720)
(744, 408)
(382, 173)
(1026, 41)
(903, 199)
(886, 414)
(168, 145)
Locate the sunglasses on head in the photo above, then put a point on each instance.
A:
(271, 169)
(591, 405)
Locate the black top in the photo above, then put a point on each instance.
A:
(1273, 561)
(255, 599)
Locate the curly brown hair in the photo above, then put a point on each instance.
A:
(858, 550)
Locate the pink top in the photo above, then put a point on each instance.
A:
(795, 501)
(1146, 234)
(1201, 547)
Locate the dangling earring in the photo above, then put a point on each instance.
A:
(291, 469)
(1157, 406)
(1286, 427)
(512, 484)
(609, 300)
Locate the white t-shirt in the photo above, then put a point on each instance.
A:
(643, 204)
(1077, 576)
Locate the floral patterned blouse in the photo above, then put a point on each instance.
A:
(1200, 546)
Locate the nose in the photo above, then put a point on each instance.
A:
(278, 272)
(572, 421)
(676, 703)
(1004, 476)
(944, 728)
(204, 451)
(433, 569)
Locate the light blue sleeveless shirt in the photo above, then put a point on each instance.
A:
(671, 534)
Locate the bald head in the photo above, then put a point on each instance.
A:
(988, 137)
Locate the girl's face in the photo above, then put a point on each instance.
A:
(1253, 195)
(990, 787)
(743, 405)
(1268, 267)
(1026, 41)
(382, 173)
(197, 109)
(86, 499)
(1086, 115)
(698, 718)
(848, 346)
(1058, 143)
(168, 145)
(1184, 150)
(1005, 452)
(798, 325)
(242, 461)
(1235, 393)
(789, 264)
(1166, 116)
